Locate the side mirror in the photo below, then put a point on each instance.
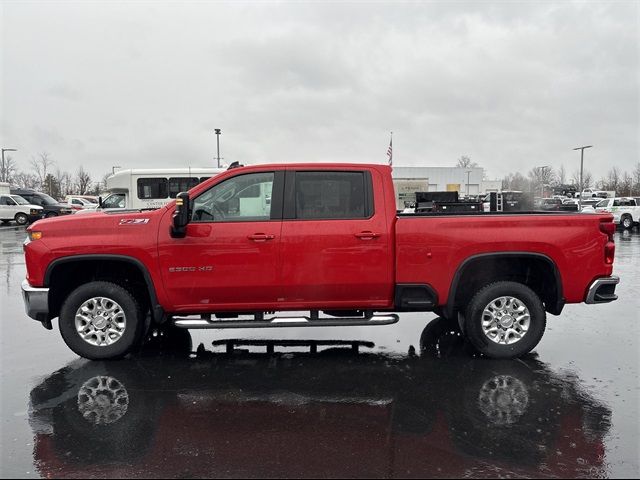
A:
(181, 216)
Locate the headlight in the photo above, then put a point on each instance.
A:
(34, 211)
(35, 235)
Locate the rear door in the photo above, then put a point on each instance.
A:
(335, 241)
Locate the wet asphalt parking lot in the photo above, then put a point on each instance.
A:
(404, 400)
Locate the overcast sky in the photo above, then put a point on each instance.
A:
(510, 84)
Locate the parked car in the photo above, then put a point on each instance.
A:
(625, 210)
(15, 208)
(316, 237)
(556, 204)
(51, 207)
(80, 203)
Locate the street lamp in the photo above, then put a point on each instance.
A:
(581, 165)
(218, 132)
(4, 172)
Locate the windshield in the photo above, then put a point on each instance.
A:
(46, 199)
(602, 204)
(115, 200)
(19, 200)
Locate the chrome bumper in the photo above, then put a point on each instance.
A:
(602, 290)
(36, 301)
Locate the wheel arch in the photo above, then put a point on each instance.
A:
(100, 267)
(529, 268)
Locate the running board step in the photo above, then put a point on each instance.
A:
(270, 345)
(276, 322)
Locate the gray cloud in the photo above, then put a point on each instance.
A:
(512, 85)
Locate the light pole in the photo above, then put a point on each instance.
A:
(4, 171)
(218, 132)
(581, 165)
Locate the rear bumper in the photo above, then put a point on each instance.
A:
(602, 290)
(36, 301)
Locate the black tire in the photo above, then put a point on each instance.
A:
(626, 222)
(21, 218)
(51, 215)
(132, 331)
(474, 317)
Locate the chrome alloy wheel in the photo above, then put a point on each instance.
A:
(100, 321)
(103, 400)
(505, 320)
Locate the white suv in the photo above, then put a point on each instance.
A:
(625, 210)
(16, 208)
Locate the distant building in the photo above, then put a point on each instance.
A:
(408, 180)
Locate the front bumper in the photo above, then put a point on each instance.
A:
(36, 301)
(32, 218)
(602, 290)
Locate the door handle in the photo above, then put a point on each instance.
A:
(367, 235)
(261, 237)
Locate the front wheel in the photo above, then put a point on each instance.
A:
(21, 219)
(626, 222)
(505, 320)
(101, 320)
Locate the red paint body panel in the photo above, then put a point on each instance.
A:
(573, 242)
(318, 264)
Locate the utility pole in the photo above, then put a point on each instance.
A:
(581, 167)
(4, 165)
(218, 132)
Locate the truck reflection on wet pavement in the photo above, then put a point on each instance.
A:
(334, 413)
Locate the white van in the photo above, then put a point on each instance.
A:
(16, 208)
(150, 188)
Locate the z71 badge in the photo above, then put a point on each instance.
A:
(133, 221)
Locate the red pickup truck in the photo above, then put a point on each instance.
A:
(323, 238)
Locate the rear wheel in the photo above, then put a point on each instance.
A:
(21, 219)
(505, 320)
(101, 320)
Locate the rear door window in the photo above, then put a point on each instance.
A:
(331, 195)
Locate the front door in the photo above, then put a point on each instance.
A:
(228, 259)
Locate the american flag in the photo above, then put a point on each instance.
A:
(390, 151)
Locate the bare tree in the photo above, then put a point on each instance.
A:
(465, 162)
(41, 166)
(26, 180)
(587, 179)
(539, 177)
(516, 181)
(7, 169)
(83, 181)
(626, 184)
(561, 176)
